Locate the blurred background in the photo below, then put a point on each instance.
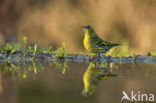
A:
(51, 22)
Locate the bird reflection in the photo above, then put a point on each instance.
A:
(93, 75)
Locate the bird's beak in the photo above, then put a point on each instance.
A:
(85, 27)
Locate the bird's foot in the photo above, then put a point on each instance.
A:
(97, 57)
(93, 58)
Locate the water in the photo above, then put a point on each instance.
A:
(74, 82)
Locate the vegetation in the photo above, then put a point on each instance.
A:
(10, 48)
(20, 52)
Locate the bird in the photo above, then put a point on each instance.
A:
(93, 75)
(93, 43)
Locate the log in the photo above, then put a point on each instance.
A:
(45, 57)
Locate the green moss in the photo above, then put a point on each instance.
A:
(12, 47)
(61, 52)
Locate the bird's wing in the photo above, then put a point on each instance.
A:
(101, 42)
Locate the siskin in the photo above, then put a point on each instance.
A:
(93, 43)
(93, 75)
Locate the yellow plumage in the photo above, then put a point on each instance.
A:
(93, 75)
(93, 43)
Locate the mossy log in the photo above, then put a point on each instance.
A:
(45, 57)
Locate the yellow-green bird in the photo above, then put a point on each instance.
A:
(93, 75)
(95, 44)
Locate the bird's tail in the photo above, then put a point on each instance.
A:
(117, 44)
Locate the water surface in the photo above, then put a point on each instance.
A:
(62, 82)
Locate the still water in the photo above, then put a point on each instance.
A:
(74, 82)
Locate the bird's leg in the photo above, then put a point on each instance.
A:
(100, 55)
(97, 56)
(93, 57)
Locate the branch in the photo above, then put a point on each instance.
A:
(45, 57)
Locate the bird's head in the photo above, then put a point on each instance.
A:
(88, 29)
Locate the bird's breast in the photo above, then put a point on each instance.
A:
(87, 43)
